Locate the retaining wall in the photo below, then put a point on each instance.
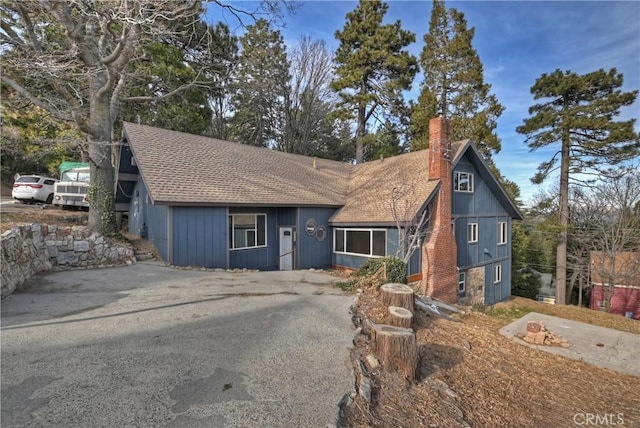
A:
(31, 249)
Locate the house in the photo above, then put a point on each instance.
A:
(623, 271)
(218, 204)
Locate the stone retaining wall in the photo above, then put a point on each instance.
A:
(31, 249)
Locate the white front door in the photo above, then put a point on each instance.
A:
(286, 248)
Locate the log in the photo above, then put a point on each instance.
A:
(400, 317)
(400, 295)
(397, 349)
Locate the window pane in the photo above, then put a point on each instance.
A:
(251, 238)
(358, 241)
(262, 229)
(239, 238)
(463, 182)
(244, 220)
(379, 242)
(339, 240)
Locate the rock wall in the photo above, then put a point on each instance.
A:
(475, 287)
(31, 249)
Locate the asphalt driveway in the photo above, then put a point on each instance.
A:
(151, 346)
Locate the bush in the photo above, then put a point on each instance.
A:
(524, 284)
(396, 269)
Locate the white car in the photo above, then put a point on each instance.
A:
(33, 188)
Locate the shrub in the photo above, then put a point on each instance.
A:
(524, 284)
(396, 269)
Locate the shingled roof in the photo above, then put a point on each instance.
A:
(378, 188)
(186, 169)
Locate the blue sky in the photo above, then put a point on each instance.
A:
(517, 41)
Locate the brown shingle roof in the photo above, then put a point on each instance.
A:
(190, 169)
(180, 168)
(376, 188)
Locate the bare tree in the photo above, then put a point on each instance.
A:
(411, 226)
(73, 59)
(308, 99)
(611, 226)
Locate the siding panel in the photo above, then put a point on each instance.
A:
(200, 236)
(311, 252)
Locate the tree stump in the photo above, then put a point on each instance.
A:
(397, 295)
(400, 317)
(397, 349)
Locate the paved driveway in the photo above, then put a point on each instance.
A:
(151, 346)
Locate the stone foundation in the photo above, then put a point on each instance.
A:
(31, 249)
(474, 293)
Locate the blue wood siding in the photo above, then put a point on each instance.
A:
(497, 292)
(125, 188)
(199, 236)
(482, 207)
(481, 200)
(147, 220)
(311, 252)
(157, 229)
(126, 165)
(287, 216)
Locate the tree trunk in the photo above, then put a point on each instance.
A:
(101, 190)
(360, 133)
(400, 317)
(561, 254)
(397, 349)
(397, 295)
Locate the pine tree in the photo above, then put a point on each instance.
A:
(373, 67)
(263, 73)
(577, 113)
(454, 86)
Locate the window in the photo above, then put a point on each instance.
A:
(462, 282)
(502, 233)
(247, 231)
(472, 232)
(463, 182)
(497, 274)
(368, 242)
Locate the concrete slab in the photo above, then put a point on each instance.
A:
(152, 346)
(599, 346)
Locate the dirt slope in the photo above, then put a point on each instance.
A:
(473, 376)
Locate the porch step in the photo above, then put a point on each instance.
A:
(143, 255)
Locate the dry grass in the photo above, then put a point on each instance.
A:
(19, 214)
(473, 376)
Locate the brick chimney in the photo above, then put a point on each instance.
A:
(439, 261)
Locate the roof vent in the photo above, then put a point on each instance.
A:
(314, 164)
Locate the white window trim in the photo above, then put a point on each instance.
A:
(456, 181)
(462, 282)
(497, 274)
(255, 230)
(472, 233)
(502, 233)
(345, 229)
